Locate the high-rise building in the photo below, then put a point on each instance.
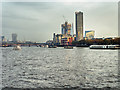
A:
(54, 38)
(58, 38)
(3, 37)
(14, 37)
(66, 28)
(89, 34)
(79, 25)
(72, 29)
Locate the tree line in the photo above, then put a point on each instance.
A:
(115, 41)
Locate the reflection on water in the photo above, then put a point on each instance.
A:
(34, 67)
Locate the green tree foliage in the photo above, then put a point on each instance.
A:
(98, 42)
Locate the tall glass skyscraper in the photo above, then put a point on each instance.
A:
(79, 25)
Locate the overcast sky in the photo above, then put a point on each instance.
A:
(37, 21)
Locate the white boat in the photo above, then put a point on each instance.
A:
(17, 48)
(46, 46)
(104, 47)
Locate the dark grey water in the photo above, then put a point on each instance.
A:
(34, 67)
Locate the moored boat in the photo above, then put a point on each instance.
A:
(68, 47)
(104, 46)
(52, 46)
(17, 48)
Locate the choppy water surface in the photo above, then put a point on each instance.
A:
(34, 67)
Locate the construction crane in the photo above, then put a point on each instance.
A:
(65, 25)
(64, 18)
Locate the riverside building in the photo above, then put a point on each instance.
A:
(89, 34)
(79, 25)
(66, 28)
(67, 32)
(65, 38)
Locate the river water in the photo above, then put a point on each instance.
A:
(34, 67)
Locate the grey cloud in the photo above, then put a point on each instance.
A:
(37, 21)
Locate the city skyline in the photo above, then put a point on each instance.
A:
(38, 21)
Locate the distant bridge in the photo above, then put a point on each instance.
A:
(22, 44)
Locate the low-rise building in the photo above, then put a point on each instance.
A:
(89, 34)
